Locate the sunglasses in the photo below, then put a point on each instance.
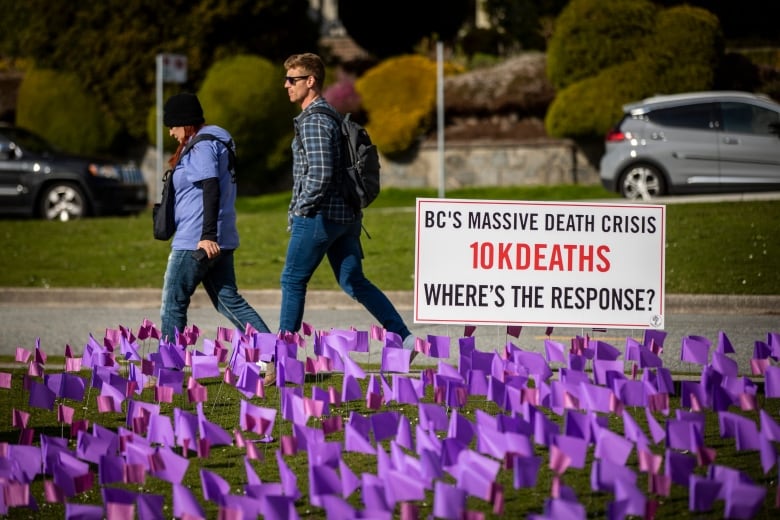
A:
(294, 79)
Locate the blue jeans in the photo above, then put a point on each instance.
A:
(218, 277)
(311, 239)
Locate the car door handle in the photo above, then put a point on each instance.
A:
(730, 140)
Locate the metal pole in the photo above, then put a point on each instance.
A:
(159, 122)
(440, 112)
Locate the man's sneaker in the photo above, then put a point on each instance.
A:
(270, 375)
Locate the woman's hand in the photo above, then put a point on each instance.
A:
(210, 247)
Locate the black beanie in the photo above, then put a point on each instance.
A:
(183, 110)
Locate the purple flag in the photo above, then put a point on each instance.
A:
(83, 512)
(91, 448)
(612, 446)
(724, 345)
(744, 500)
(168, 466)
(349, 482)
(395, 359)
(695, 349)
(553, 351)
(772, 381)
(526, 471)
(204, 366)
(654, 336)
(449, 502)
(184, 503)
(679, 466)
(323, 480)
(41, 396)
(384, 425)
(769, 427)
(604, 474)
(575, 448)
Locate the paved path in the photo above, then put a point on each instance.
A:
(62, 317)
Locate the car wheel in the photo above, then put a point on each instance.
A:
(62, 201)
(642, 182)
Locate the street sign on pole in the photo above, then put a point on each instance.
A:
(169, 68)
(174, 68)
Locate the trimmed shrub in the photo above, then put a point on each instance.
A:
(685, 49)
(56, 106)
(591, 35)
(244, 94)
(590, 107)
(399, 97)
(681, 54)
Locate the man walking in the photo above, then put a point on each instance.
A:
(320, 221)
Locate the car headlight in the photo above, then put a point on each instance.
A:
(104, 170)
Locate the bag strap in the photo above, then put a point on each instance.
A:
(211, 137)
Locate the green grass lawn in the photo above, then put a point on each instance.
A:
(721, 248)
(227, 461)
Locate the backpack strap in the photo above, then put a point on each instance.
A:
(325, 109)
(211, 137)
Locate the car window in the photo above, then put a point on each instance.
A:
(697, 116)
(28, 141)
(749, 119)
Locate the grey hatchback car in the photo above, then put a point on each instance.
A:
(697, 142)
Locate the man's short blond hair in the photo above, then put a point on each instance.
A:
(309, 63)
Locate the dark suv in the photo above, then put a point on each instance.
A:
(695, 142)
(37, 180)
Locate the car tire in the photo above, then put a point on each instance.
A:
(642, 181)
(62, 201)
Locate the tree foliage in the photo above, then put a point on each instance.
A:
(111, 45)
(387, 29)
(56, 106)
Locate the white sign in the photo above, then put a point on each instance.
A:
(174, 68)
(539, 263)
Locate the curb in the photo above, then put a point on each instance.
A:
(337, 300)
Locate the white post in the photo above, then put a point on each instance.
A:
(159, 127)
(440, 112)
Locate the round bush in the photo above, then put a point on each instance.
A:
(589, 108)
(685, 49)
(399, 97)
(54, 105)
(591, 35)
(245, 95)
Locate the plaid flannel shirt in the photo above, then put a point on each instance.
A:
(316, 153)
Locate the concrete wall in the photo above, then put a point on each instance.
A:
(521, 163)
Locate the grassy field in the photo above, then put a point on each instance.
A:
(712, 248)
(227, 461)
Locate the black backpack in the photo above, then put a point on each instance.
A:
(163, 218)
(360, 158)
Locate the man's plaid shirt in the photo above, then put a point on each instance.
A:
(316, 152)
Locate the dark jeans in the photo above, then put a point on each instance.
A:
(218, 277)
(311, 239)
